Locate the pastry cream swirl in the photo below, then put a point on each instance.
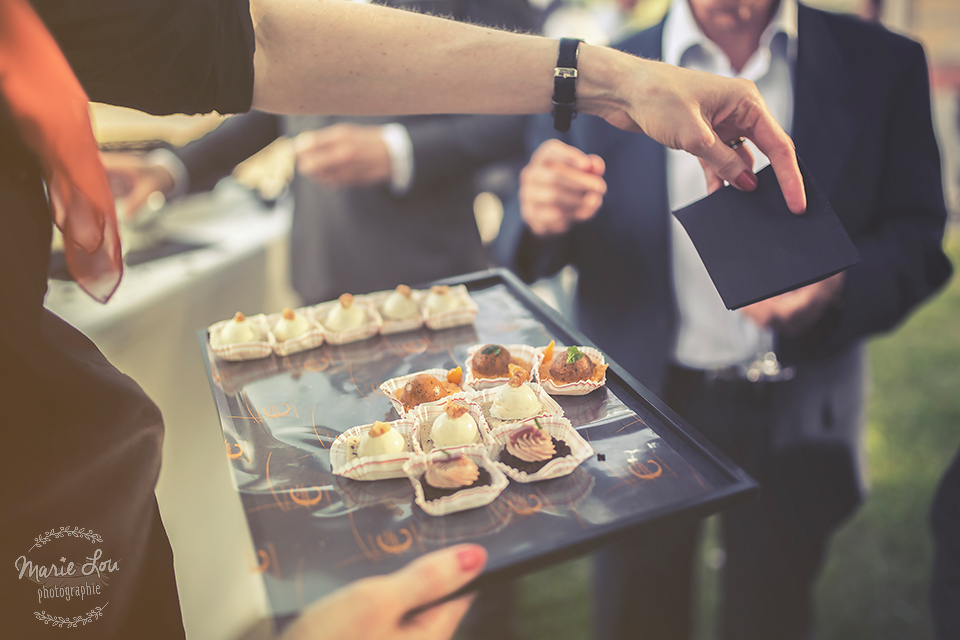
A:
(451, 474)
(531, 445)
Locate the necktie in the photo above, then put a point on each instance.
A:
(50, 110)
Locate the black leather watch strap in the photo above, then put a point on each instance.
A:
(565, 84)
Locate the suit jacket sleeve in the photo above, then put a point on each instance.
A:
(902, 261)
(215, 155)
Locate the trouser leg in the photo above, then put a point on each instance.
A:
(643, 585)
(768, 577)
(770, 567)
(945, 582)
(491, 615)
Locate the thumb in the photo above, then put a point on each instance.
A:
(729, 165)
(438, 574)
(598, 166)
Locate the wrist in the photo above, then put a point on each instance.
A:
(602, 74)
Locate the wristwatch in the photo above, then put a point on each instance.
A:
(565, 84)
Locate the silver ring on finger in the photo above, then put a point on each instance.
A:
(736, 143)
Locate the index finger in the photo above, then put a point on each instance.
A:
(778, 147)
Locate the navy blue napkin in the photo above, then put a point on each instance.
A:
(754, 248)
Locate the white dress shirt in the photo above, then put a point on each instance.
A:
(709, 335)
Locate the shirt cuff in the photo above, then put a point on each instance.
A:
(168, 160)
(400, 148)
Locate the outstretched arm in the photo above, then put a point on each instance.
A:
(335, 57)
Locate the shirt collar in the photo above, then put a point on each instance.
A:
(681, 32)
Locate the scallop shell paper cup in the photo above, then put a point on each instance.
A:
(548, 406)
(559, 428)
(463, 499)
(345, 462)
(243, 350)
(366, 330)
(464, 314)
(425, 414)
(579, 388)
(309, 340)
(393, 385)
(522, 352)
(389, 326)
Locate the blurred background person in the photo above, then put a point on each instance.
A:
(599, 21)
(857, 101)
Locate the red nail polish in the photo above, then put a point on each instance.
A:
(470, 558)
(746, 181)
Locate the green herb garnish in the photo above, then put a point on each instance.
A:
(537, 422)
(574, 354)
(492, 350)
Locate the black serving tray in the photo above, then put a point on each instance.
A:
(315, 532)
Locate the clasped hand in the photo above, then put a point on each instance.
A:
(343, 155)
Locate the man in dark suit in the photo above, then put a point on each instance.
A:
(378, 200)
(856, 101)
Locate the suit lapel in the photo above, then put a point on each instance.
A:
(643, 157)
(824, 125)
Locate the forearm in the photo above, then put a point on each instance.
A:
(317, 56)
(332, 57)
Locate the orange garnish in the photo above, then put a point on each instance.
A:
(239, 317)
(514, 370)
(548, 353)
(455, 376)
(288, 314)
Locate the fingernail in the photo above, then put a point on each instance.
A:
(470, 558)
(746, 181)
